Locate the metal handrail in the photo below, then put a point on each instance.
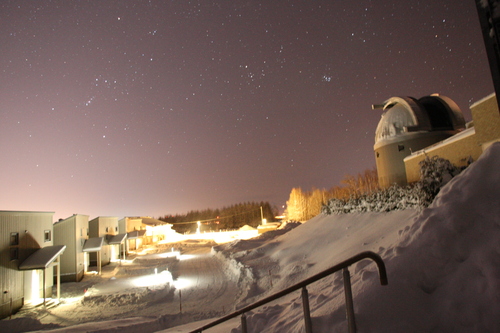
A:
(347, 286)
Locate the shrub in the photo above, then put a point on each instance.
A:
(435, 172)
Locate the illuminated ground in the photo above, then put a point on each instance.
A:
(153, 283)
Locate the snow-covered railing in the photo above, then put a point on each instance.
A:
(305, 296)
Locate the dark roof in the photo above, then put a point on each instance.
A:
(136, 234)
(153, 222)
(42, 258)
(93, 244)
(117, 239)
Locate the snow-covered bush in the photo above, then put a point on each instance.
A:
(386, 200)
(435, 172)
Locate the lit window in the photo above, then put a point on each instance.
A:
(47, 236)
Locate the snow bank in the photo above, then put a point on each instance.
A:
(443, 264)
(448, 267)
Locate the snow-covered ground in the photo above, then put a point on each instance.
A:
(443, 265)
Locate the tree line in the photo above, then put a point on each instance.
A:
(226, 218)
(304, 205)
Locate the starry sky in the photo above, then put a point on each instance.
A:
(125, 108)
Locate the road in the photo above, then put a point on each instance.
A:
(203, 289)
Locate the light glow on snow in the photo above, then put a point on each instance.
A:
(169, 254)
(182, 283)
(153, 279)
(186, 256)
(123, 261)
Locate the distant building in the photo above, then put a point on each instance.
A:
(107, 228)
(156, 230)
(135, 231)
(408, 125)
(144, 230)
(72, 232)
(27, 258)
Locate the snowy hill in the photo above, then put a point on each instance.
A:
(443, 266)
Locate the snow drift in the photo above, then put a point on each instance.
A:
(443, 264)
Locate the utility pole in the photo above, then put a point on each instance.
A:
(489, 19)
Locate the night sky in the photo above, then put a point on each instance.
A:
(125, 108)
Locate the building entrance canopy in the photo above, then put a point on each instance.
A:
(42, 258)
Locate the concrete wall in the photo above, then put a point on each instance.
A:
(458, 150)
(486, 120)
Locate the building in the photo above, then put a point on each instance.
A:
(107, 228)
(466, 146)
(156, 230)
(27, 258)
(411, 130)
(135, 231)
(72, 232)
(408, 125)
(144, 230)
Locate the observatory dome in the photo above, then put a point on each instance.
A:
(408, 125)
(394, 122)
(404, 115)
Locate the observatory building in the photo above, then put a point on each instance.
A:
(408, 125)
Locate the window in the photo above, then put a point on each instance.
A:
(14, 238)
(47, 236)
(14, 253)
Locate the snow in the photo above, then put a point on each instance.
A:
(93, 244)
(443, 266)
(42, 258)
(117, 239)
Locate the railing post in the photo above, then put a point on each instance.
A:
(349, 304)
(307, 312)
(243, 323)
(305, 297)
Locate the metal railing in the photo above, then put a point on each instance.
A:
(305, 297)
